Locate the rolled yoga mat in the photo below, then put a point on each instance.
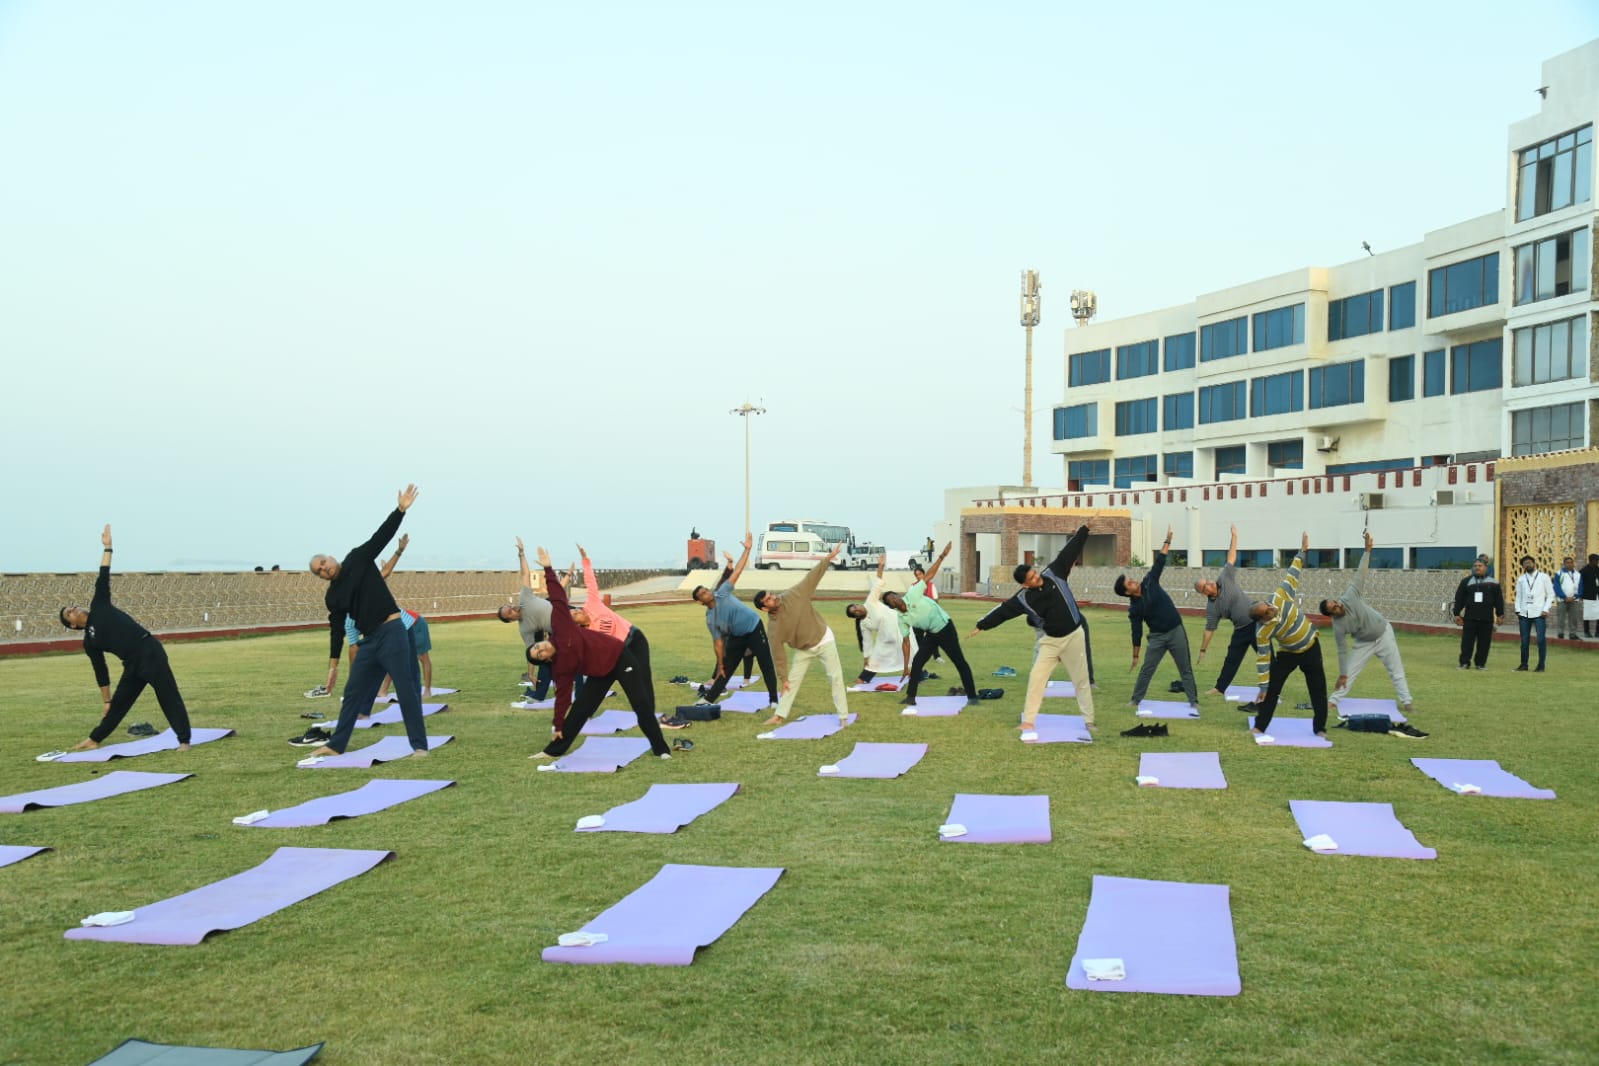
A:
(370, 798)
(1181, 769)
(1061, 729)
(935, 706)
(386, 750)
(1290, 733)
(10, 853)
(1171, 937)
(808, 727)
(1358, 829)
(665, 920)
(600, 755)
(985, 819)
(287, 877)
(115, 783)
(164, 741)
(1489, 777)
(876, 760)
(393, 716)
(1165, 709)
(663, 809)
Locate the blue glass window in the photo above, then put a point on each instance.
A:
(1221, 403)
(1462, 286)
(1338, 385)
(1381, 558)
(1354, 316)
(1555, 174)
(1277, 394)
(1476, 367)
(1547, 429)
(1088, 368)
(1135, 469)
(1079, 421)
(1137, 416)
(1088, 472)
(1221, 340)
(1280, 327)
(1230, 460)
(1402, 378)
(1402, 306)
(1370, 467)
(1179, 351)
(1137, 360)
(1555, 266)
(1179, 464)
(1459, 558)
(1432, 373)
(1286, 454)
(1179, 411)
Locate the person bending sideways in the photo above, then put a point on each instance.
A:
(105, 629)
(737, 632)
(1355, 620)
(574, 650)
(356, 589)
(1152, 606)
(877, 633)
(1284, 635)
(1046, 600)
(1224, 599)
(797, 625)
(531, 613)
(922, 617)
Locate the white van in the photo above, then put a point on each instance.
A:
(790, 550)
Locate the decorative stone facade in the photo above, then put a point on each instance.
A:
(1111, 540)
(1549, 506)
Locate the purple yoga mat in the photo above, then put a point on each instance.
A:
(392, 715)
(1061, 729)
(1165, 709)
(808, 727)
(164, 741)
(936, 706)
(436, 692)
(1060, 689)
(1359, 829)
(10, 853)
(1172, 937)
(872, 685)
(1486, 774)
(1182, 769)
(386, 750)
(601, 755)
(113, 784)
(680, 909)
(664, 809)
(734, 683)
(1241, 693)
(747, 702)
(607, 722)
(999, 819)
(1291, 733)
(1347, 707)
(369, 798)
(879, 760)
(290, 875)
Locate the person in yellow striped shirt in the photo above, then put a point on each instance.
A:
(1282, 622)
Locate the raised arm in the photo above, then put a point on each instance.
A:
(932, 571)
(1160, 560)
(389, 564)
(1359, 581)
(743, 561)
(1062, 566)
(591, 584)
(102, 582)
(521, 561)
(808, 583)
(552, 582)
(1232, 548)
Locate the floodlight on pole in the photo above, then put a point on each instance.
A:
(1030, 313)
(745, 412)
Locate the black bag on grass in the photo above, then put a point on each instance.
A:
(1368, 723)
(694, 712)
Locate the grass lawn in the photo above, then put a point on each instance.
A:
(878, 943)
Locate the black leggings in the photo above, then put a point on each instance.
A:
(632, 673)
(947, 641)
(1284, 663)
(1243, 642)
(750, 644)
(151, 668)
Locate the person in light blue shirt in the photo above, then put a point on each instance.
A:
(920, 613)
(736, 630)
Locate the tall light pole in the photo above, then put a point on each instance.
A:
(1030, 308)
(745, 412)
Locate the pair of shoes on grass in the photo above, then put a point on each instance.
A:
(1145, 729)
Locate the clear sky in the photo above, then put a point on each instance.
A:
(263, 263)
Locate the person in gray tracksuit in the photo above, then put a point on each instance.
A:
(1355, 621)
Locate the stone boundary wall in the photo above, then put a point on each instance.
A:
(1414, 597)
(229, 602)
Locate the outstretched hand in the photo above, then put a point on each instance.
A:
(105, 537)
(405, 539)
(1369, 541)
(544, 557)
(748, 541)
(407, 498)
(1304, 543)
(581, 553)
(519, 549)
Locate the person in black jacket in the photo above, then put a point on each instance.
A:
(1152, 606)
(144, 660)
(1047, 601)
(1590, 593)
(1479, 607)
(356, 590)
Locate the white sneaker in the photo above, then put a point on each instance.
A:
(318, 692)
(665, 755)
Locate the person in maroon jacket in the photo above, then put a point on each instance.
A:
(573, 650)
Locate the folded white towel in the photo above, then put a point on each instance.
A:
(591, 821)
(1321, 842)
(1467, 790)
(313, 760)
(1104, 969)
(1144, 779)
(523, 705)
(766, 736)
(830, 768)
(545, 767)
(952, 829)
(908, 710)
(49, 756)
(1030, 734)
(1265, 738)
(1144, 714)
(581, 940)
(252, 818)
(108, 918)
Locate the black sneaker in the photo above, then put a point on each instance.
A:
(679, 679)
(311, 738)
(1406, 730)
(1521, 668)
(1302, 707)
(1158, 730)
(702, 690)
(143, 729)
(1249, 708)
(956, 690)
(674, 722)
(1139, 730)
(1463, 666)
(1175, 686)
(1538, 669)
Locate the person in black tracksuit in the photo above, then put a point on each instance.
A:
(1479, 607)
(144, 660)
